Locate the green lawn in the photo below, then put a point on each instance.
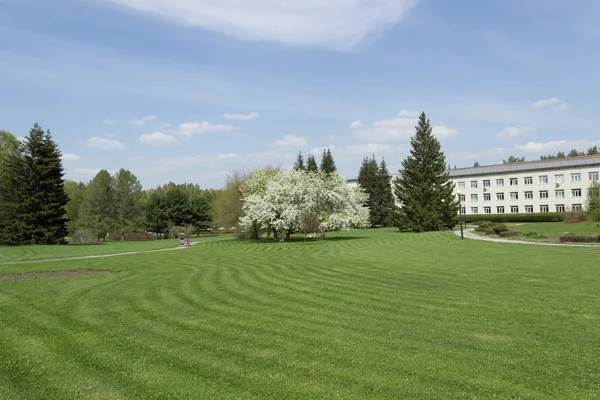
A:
(366, 314)
(557, 228)
(28, 253)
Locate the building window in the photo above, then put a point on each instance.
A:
(487, 197)
(577, 207)
(529, 195)
(463, 210)
(461, 185)
(500, 182)
(543, 194)
(499, 196)
(461, 198)
(575, 192)
(559, 194)
(544, 209)
(593, 176)
(528, 209)
(473, 197)
(473, 184)
(474, 210)
(543, 180)
(528, 180)
(559, 178)
(514, 195)
(514, 209)
(500, 209)
(560, 208)
(514, 181)
(487, 184)
(575, 177)
(487, 210)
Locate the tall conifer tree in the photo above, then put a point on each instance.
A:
(384, 201)
(312, 164)
(327, 163)
(424, 188)
(299, 164)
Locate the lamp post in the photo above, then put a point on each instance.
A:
(460, 215)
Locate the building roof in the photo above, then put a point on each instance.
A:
(527, 166)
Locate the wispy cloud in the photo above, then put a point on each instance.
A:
(341, 24)
(408, 114)
(143, 120)
(158, 139)
(554, 102)
(292, 141)
(190, 129)
(70, 157)
(541, 148)
(110, 121)
(511, 132)
(104, 144)
(242, 117)
(395, 129)
(228, 155)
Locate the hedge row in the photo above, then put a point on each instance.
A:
(510, 233)
(579, 239)
(530, 217)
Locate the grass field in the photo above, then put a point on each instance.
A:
(29, 253)
(365, 314)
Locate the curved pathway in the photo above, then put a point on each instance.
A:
(470, 234)
(98, 256)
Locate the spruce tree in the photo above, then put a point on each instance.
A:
(299, 164)
(96, 214)
(367, 179)
(424, 188)
(312, 164)
(12, 183)
(327, 163)
(37, 195)
(384, 200)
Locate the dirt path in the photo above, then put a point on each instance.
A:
(96, 256)
(57, 274)
(469, 234)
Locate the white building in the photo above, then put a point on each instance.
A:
(529, 187)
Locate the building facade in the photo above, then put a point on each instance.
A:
(530, 187)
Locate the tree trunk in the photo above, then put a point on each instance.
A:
(322, 234)
(275, 236)
(288, 234)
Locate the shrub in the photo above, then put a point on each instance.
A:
(498, 228)
(131, 236)
(510, 233)
(490, 232)
(504, 218)
(483, 227)
(579, 239)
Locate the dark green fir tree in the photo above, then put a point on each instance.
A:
(299, 164)
(311, 165)
(424, 188)
(384, 198)
(327, 163)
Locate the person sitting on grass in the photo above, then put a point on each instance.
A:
(181, 241)
(188, 242)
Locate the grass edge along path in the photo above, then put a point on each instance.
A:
(470, 234)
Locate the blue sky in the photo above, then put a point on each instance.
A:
(187, 90)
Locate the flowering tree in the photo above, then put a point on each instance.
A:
(290, 201)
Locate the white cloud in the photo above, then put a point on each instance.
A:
(86, 171)
(229, 155)
(554, 102)
(556, 145)
(21, 138)
(110, 121)
(158, 139)
(70, 157)
(104, 144)
(291, 141)
(340, 24)
(143, 120)
(111, 135)
(442, 132)
(242, 117)
(513, 131)
(356, 125)
(409, 114)
(190, 129)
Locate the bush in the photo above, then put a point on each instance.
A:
(510, 233)
(504, 218)
(579, 239)
(130, 236)
(498, 228)
(490, 232)
(483, 227)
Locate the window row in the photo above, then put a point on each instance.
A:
(542, 194)
(516, 209)
(528, 180)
